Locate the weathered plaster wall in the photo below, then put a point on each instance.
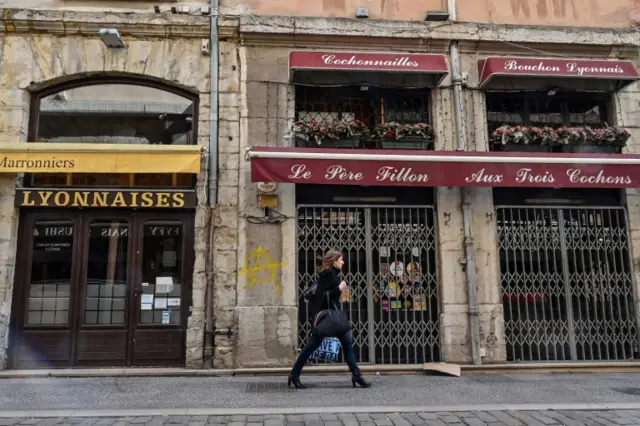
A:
(408, 10)
(592, 13)
(29, 61)
(577, 13)
(138, 6)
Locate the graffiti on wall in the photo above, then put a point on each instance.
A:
(262, 268)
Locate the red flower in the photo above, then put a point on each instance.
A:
(389, 134)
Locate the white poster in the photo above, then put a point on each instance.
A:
(164, 285)
(161, 304)
(147, 299)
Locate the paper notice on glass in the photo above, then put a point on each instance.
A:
(146, 299)
(146, 307)
(169, 259)
(174, 301)
(166, 317)
(164, 285)
(161, 304)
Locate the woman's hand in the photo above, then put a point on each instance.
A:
(342, 286)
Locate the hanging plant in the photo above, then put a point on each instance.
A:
(318, 132)
(394, 130)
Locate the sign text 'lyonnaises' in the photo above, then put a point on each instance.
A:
(105, 199)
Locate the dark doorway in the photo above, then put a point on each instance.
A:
(102, 288)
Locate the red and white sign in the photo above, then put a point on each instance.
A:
(364, 61)
(444, 168)
(552, 67)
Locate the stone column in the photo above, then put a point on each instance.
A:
(14, 119)
(627, 114)
(267, 313)
(454, 321)
(226, 221)
(484, 233)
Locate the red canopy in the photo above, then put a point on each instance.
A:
(443, 168)
(389, 69)
(612, 74)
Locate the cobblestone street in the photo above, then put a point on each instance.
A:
(460, 418)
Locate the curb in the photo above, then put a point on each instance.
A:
(409, 369)
(314, 410)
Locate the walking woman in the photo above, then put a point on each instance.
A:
(329, 289)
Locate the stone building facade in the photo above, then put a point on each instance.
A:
(245, 265)
(46, 48)
(258, 106)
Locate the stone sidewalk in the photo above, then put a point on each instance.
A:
(450, 418)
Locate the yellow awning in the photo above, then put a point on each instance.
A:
(98, 158)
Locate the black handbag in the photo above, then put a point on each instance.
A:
(332, 323)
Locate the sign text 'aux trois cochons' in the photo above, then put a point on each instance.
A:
(105, 199)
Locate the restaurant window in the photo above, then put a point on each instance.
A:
(113, 111)
(374, 114)
(548, 109)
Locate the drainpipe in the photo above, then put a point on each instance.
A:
(209, 339)
(469, 258)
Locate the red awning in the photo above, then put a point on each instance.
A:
(443, 168)
(383, 69)
(570, 73)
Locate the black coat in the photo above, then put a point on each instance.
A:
(328, 291)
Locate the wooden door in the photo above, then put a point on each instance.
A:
(45, 289)
(102, 288)
(162, 289)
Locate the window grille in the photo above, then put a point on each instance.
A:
(371, 106)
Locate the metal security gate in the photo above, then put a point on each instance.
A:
(567, 284)
(390, 266)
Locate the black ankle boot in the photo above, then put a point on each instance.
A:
(295, 381)
(360, 381)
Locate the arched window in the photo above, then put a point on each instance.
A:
(114, 111)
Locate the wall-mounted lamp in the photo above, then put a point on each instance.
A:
(552, 92)
(111, 38)
(437, 15)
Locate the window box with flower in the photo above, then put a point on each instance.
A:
(567, 139)
(341, 134)
(394, 135)
(524, 138)
(609, 139)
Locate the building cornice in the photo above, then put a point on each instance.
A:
(340, 33)
(138, 25)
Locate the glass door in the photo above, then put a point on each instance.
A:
(160, 303)
(103, 323)
(45, 279)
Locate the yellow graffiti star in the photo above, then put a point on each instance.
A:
(257, 264)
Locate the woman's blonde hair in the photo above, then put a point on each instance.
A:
(329, 259)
